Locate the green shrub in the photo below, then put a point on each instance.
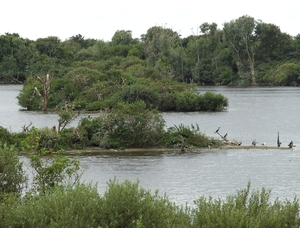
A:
(72, 138)
(128, 205)
(137, 92)
(47, 138)
(18, 138)
(186, 101)
(72, 207)
(5, 136)
(12, 176)
(26, 97)
(167, 102)
(212, 102)
(94, 106)
(185, 136)
(126, 125)
(246, 209)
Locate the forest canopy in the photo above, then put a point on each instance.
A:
(245, 51)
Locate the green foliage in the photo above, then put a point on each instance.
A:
(186, 101)
(167, 102)
(185, 136)
(47, 138)
(38, 139)
(12, 176)
(126, 125)
(53, 170)
(72, 138)
(26, 97)
(70, 207)
(5, 136)
(128, 205)
(136, 92)
(122, 37)
(214, 56)
(240, 35)
(212, 102)
(65, 117)
(245, 209)
(286, 74)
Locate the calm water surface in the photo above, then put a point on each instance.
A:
(253, 113)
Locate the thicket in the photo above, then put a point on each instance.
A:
(127, 204)
(127, 125)
(81, 90)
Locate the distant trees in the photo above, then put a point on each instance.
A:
(240, 35)
(244, 52)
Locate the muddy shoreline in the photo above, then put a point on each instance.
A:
(96, 150)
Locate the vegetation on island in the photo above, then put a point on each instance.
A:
(125, 126)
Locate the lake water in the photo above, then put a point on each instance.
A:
(253, 113)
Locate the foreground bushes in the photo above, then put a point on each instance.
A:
(128, 205)
(58, 199)
(246, 209)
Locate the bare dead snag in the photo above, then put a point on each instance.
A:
(223, 137)
(26, 128)
(46, 92)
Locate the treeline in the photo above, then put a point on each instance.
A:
(245, 51)
(56, 198)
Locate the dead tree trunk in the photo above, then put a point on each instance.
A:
(46, 92)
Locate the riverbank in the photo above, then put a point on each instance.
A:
(96, 150)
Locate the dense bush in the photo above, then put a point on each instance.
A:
(127, 125)
(167, 102)
(72, 207)
(185, 136)
(186, 101)
(72, 138)
(246, 209)
(127, 204)
(12, 176)
(84, 88)
(136, 92)
(212, 102)
(5, 136)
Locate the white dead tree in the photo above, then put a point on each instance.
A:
(45, 95)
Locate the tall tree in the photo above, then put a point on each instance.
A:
(272, 43)
(240, 34)
(164, 51)
(13, 58)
